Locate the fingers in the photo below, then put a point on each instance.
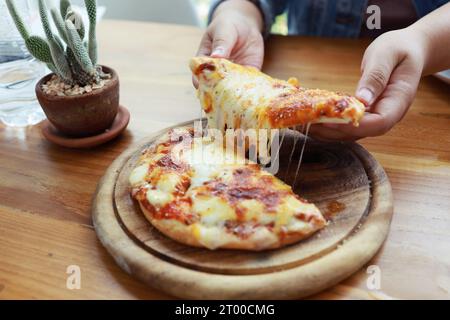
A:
(389, 109)
(371, 125)
(397, 97)
(389, 81)
(324, 132)
(223, 41)
(375, 72)
(205, 45)
(218, 41)
(250, 52)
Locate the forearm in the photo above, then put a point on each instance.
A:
(249, 11)
(435, 30)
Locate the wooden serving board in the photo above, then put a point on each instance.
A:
(342, 179)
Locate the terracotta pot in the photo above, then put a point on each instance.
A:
(82, 115)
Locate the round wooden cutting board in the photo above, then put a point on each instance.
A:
(342, 179)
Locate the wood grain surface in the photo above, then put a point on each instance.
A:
(46, 190)
(344, 180)
(332, 177)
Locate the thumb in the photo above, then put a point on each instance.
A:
(223, 41)
(376, 71)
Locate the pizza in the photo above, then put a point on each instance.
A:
(242, 97)
(190, 193)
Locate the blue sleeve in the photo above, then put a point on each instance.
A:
(269, 10)
(425, 7)
(276, 7)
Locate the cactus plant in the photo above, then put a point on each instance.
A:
(66, 53)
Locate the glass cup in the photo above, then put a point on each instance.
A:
(19, 72)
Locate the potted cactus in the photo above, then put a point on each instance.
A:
(80, 97)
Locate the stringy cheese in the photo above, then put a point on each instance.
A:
(235, 96)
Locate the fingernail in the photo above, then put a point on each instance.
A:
(218, 52)
(365, 95)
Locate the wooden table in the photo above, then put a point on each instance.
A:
(45, 190)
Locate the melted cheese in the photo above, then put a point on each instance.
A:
(168, 182)
(204, 158)
(214, 211)
(158, 198)
(229, 205)
(207, 236)
(235, 96)
(138, 175)
(253, 210)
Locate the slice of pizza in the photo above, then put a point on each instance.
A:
(235, 96)
(190, 193)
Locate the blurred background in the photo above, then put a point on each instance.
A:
(189, 12)
(19, 72)
(202, 8)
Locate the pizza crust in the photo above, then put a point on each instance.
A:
(262, 240)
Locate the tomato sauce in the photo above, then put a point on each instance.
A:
(205, 66)
(298, 108)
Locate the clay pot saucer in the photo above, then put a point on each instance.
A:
(118, 126)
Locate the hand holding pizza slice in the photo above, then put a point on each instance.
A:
(234, 206)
